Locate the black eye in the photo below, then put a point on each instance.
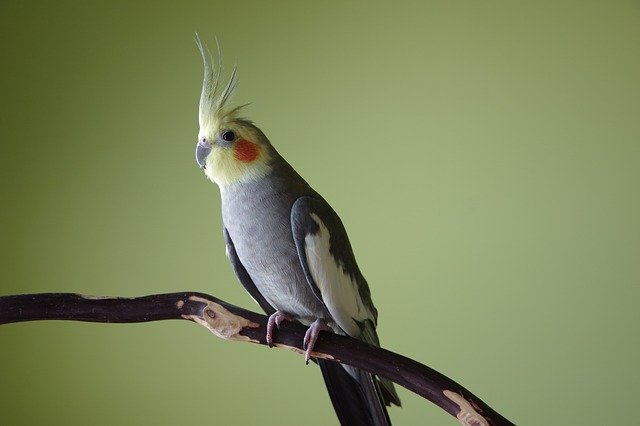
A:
(228, 136)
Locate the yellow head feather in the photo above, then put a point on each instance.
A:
(222, 164)
(213, 109)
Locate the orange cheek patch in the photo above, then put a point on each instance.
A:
(246, 151)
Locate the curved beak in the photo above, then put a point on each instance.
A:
(202, 151)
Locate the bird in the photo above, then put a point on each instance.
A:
(287, 246)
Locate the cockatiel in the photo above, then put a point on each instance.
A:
(288, 247)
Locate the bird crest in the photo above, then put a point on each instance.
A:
(213, 109)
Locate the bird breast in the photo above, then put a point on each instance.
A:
(259, 224)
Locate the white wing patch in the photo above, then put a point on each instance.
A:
(339, 291)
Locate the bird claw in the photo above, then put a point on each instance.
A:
(275, 319)
(311, 336)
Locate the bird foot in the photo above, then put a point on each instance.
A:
(311, 336)
(275, 319)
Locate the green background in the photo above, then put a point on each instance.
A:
(484, 156)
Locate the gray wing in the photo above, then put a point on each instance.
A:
(244, 277)
(331, 270)
(330, 266)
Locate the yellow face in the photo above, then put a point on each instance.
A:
(232, 151)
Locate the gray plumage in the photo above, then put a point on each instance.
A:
(288, 247)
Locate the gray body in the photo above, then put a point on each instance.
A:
(267, 222)
(257, 216)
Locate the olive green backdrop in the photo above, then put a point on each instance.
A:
(484, 156)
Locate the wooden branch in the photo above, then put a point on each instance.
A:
(234, 323)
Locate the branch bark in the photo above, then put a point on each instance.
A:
(233, 323)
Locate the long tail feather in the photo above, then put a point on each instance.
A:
(357, 401)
